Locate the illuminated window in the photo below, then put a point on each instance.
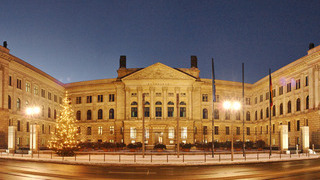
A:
(133, 132)
(184, 132)
(171, 133)
(100, 130)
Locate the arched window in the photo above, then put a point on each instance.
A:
(273, 110)
(204, 114)
(183, 110)
(55, 114)
(146, 103)
(49, 113)
(261, 114)
(134, 109)
(182, 103)
(216, 114)
(111, 114)
(307, 102)
(18, 104)
(248, 116)
(100, 114)
(256, 115)
(170, 103)
(89, 115)
(267, 112)
(298, 104)
(281, 109)
(158, 103)
(9, 102)
(227, 114)
(78, 115)
(289, 106)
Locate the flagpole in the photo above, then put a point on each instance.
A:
(213, 100)
(243, 141)
(270, 105)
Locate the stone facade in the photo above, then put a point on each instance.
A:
(112, 109)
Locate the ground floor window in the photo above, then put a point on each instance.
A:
(171, 133)
(133, 132)
(184, 132)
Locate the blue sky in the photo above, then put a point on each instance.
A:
(78, 40)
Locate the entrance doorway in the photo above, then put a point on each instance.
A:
(158, 137)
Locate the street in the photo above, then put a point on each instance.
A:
(306, 169)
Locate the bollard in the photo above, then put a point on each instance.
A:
(104, 157)
(62, 157)
(89, 157)
(312, 147)
(119, 158)
(75, 157)
(167, 158)
(51, 154)
(280, 154)
(245, 157)
(257, 156)
(219, 157)
(205, 157)
(38, 154)
(182, 157)
(290, 154)
(151, 157)
(134, 157)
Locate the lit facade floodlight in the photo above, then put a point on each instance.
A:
(227, 105)
(32, 110)
(236, 105)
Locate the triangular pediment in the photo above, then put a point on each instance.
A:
(158, 71)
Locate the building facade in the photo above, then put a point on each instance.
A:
(172, 102)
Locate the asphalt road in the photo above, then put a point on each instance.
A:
(307, 169)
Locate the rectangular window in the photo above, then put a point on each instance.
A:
(261, 98)
(60, 100)
(43, 93)
(79, 130)
(133, 132)
(216, 130)
(49, 130)
(280, 90)
(267, 95)
(205, 130)
(88, 130)
(100, 130)
(227, 130)
(184, 132)
(274, 93)
(170, 111)
(36, 90)
(158, 112)
(248, 130)
(134, 112)
(18, 125)
(238, 130)
(267, 129)
(111, 129)
(18, 83)
(289, 126)
(247, 101)
(55, 98)
(298, 84)
(171, 133)
(43, 131)
(100, 98)
(28, 87)
(307, 81)
(261, 130)
(78, 100)
(146, 112)
(182, 112)
(28, 127)
(146, 133)
(49, 95)
(89, 99)
(298, 125)
(111, 97)
(273, 128)
(10, 80)
(289, 87)
(255, 130)
(204, 97)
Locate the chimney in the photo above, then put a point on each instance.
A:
(123, 62)
(194, 62)
(5, 44)
(311, 46)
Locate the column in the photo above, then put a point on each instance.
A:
(283, 137)
(165, 102)
(152, 107)
(139, 89)
(127, 101)
(189, 104)
(305, 137)
(316, 87)
(177, 91)
(311, 88)
(12, 138)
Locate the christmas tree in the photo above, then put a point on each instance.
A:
(63, 140)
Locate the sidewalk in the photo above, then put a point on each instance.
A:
(155, 159)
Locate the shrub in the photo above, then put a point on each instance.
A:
(249, 144)
(131, 146)
(238, 144)
(66, 152)
(159, 146)
(138, 144)
(260, 144)
(186, 146)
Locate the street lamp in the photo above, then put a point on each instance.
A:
(31, 111)
(231, 105)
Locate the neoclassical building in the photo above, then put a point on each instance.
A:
(172, 102)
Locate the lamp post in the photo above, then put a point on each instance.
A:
(235, 106)
(31, 111)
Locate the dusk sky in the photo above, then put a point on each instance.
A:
(83, 40)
